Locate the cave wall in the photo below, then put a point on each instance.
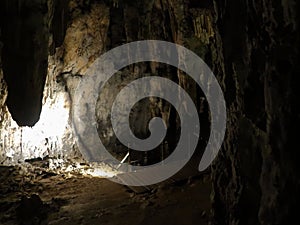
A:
(256, 178)
(77, 32)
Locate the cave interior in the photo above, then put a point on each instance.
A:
(49, 47)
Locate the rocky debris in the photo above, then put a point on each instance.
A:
(82, 200)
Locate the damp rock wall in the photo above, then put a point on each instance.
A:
(255, 177)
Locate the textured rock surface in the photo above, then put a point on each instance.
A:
(256, 177)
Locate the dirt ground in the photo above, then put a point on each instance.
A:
(41, 197)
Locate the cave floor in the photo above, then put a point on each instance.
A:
(40, 197)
